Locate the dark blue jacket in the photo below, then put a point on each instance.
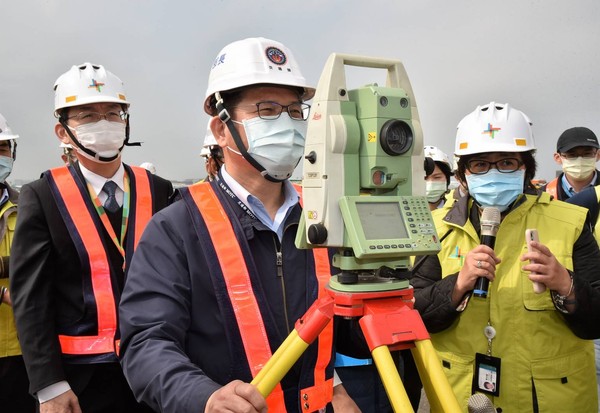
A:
(179, 342)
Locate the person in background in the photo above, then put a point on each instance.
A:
(577, 153)
(535, 349)
(436, 183)
(68, 154)
(14, 387)
(77, 228)
(590, 198)
(212, 154)
(437, 192)
(149, 166)
(217, 282)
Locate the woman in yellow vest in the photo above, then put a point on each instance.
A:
(527, 351)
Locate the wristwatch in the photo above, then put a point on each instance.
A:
(561, 300)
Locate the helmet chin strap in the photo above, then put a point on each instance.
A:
(92, 153)
(127, 143)
(226, 119)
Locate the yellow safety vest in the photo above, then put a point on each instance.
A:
(532, 339)
(9, 344)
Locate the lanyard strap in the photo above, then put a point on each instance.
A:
(118, 241)
(233, 196)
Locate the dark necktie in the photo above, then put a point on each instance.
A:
(111, 204)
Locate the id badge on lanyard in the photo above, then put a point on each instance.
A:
(486, 376)
(486, 372)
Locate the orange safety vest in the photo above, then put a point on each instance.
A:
(246, 309)
(551, 188)
(77, 201)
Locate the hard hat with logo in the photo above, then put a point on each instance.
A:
(5, 132)
(87, 83)
(254, 61)
(437, 155)
(494, 127)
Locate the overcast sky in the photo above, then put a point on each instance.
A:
(542, 57)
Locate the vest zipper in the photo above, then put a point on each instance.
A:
(279, 264)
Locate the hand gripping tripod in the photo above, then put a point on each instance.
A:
(389, 322)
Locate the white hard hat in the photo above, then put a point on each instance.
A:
(149, 166)
(209, 138)
(87, 83)
(205, 152)
(254, 61)
(437, 155)
(494, 127)
(5, 131)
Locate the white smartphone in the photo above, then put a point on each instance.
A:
(532, 235)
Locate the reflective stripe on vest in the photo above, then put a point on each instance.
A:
(75, 203)
(322, 392)
(247, 313)
(552, 189)
(143, 202)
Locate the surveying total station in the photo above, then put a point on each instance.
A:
(363, 195)
(363, 177)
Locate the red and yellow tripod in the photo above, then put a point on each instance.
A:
(389, 322)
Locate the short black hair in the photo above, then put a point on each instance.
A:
(445, 169)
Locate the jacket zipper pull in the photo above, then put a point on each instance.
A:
(279, 263)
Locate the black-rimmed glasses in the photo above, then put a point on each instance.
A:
(273, 110)
(506, 165)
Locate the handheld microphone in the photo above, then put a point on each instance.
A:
(480, 403)
(490, 222)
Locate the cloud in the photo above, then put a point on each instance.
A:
(539, 56)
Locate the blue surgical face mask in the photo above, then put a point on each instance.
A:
(495, 188)
(6, 166)
(277, 145)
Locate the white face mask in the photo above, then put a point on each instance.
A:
(6, 166)
(579, 168)
(104, 138)
(435, 190)
(277, 145)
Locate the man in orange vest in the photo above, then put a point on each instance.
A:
(577, 153)
(217, 282)
(77, 228)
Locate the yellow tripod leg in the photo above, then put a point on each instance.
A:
(280, 363)
(391, 380)
(306, 330)
(436, 385)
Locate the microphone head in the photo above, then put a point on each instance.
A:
(490, 221)
(480, 403)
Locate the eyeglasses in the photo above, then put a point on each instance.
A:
(272, 110)
(506, 165)
(587, 154)
(92, 117)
